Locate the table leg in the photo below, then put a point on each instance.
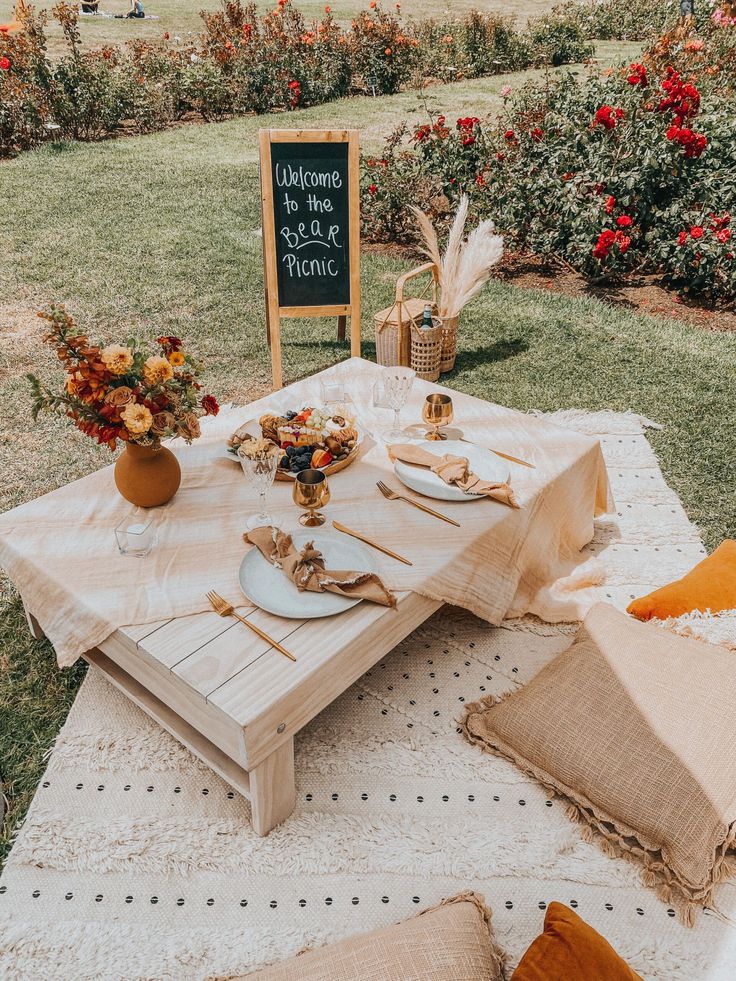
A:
(272, 789)
(33, 625)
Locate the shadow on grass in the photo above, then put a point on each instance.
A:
(490, 354)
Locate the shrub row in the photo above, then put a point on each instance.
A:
(626, 171)
(245, 62)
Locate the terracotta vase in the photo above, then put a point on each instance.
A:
(147, 476)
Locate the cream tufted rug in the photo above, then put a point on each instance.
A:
(136, 862)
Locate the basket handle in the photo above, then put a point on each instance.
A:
(427, 267)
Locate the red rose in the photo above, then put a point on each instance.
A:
(294, 85)
(696, 231)
(682, 238)
(4, 64)
(724, 235)
(607, 116)
(500, 157)
(372, 189)
(610, 204)
(536, 134)
(623, 221)
(480, 180)
(637, 74)
(510, 136)
(623, 243)
(604, 244)
(210, 405)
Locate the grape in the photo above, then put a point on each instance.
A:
(290, 416)
(284, 462)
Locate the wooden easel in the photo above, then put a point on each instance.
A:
(274, 311)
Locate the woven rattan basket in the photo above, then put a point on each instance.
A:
(393, 325)
(426, 351)
(449, 343)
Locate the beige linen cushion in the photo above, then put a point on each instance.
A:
(451, 942)
(637, 727)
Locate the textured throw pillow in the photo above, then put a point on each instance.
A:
(451, 942)
(637, 728)
(711, 585)
(570, 950)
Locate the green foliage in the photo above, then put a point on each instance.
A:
(608, 174)
(634, 20)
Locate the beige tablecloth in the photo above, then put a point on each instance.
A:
(60, 549)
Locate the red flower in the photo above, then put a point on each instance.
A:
(682, 98)
(696, 231)
(607, 116)
(721, 222)
(210, 405)
(623, 221)
(500, 157)
(480, 180)
(372, 189)
(723, 235)
(468, 140)
(510, 136)
(294, 85)
(4, 64)
(623, 242)
(693, 143)
(682, 238)
(421, 133)
(637, 74)
(166, 35)
(536, 134)
(604, 244)
(610, 204)
(171, 342)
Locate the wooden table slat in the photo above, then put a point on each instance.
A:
(314, 643)
(222, 658)
(181, 637)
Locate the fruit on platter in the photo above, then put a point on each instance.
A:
(321, 458)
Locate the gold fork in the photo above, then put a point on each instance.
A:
(225, 609)
(391, 495)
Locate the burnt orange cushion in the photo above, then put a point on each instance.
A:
(570, 950)
(711, 585)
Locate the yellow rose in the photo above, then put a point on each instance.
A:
(137, 419)
(157, 370)
(177, 359)
(117, 359)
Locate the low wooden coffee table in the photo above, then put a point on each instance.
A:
(237, 703)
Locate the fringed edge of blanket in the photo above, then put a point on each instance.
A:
(613, 837)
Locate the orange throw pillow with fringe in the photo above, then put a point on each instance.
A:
(711, 585)
(570, 950)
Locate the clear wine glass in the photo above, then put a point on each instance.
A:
(260, 472)
(397, 383)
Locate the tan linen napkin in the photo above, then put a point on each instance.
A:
(306, 568)
(453, 470)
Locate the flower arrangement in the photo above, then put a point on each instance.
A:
(122, 391)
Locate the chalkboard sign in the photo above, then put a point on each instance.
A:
(311, 231)
(312, 220)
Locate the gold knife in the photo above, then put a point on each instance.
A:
(506, 456)
(362, 538)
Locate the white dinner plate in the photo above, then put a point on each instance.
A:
(482, 462)
(271, 589)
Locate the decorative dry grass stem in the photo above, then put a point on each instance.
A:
(466, 266)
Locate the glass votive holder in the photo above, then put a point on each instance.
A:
(332, 390)
(137, 533)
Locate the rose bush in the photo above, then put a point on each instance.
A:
(604, 174)
(244, 61)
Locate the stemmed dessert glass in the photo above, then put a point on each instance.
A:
(437, 411)
(260, 472)
(311, 492)
(397, 383)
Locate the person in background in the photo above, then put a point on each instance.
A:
(90, 6)
(136, 9)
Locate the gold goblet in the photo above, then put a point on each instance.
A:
(311, 492)
(437, 411)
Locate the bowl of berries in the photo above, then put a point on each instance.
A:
(309, 438)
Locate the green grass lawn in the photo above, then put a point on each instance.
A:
(180, 17)
(160, 234)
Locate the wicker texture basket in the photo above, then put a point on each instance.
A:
(393, 325)
(426, 351)
(449, 343)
